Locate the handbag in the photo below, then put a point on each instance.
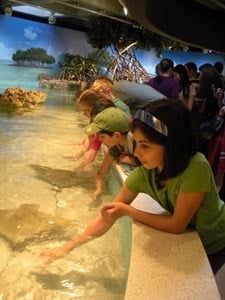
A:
(209, 128)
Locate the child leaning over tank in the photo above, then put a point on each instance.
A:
(90, 144)
(112, 126)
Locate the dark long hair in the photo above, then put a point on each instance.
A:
(210, 79)
(184, 83)
(180, 144)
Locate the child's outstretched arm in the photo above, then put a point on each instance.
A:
(87, 159)
(103, 170)
(85, 143)
(95, 229)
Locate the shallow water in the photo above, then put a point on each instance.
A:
(43, 203)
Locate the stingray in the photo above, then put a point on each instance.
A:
(24, 225)
(62, 178)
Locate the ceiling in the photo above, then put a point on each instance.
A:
(199, 23)
(69, 13)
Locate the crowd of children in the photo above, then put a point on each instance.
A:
(157, 127)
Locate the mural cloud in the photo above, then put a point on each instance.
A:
(30, 34)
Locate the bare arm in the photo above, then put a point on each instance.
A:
(192, 94)
(88, 158)
(85, 143)
(96, 228)
(103, 170)
(187, 205)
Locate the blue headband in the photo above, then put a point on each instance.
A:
(151, 121)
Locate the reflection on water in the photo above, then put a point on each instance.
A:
(45, 203)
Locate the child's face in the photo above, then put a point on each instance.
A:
(107, 93)
(149, 154)
(108, 140)
(86, 109)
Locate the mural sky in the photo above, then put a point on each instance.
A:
(23, 34)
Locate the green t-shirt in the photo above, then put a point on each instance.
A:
(120, 104)
(209, 221)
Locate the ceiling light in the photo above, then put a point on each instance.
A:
(125, 11)
(8, 10)
(30, 10)
(52, 20)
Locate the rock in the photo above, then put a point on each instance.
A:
(60, 84)
(17, 97)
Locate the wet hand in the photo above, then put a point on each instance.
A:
(50, 254)
(96, 194)
(75, 156)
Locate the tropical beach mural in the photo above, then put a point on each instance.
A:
(18, 36)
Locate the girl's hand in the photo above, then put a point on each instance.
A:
(96, 193)
(74, 157)
(115, 210)
(50, 254)
(127, 159)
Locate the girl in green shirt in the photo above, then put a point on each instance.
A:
(174, 174)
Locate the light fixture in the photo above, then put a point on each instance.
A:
(8, 10)
(52, 19)
(125, 10)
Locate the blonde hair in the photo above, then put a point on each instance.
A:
(91, 97)
(102, 83)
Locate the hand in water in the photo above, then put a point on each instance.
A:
(50, 254)
(73, 144)
(96, 194)
(75, 156)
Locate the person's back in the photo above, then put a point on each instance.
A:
(135, 95)
(164, 83)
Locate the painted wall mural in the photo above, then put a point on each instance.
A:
(18, 34)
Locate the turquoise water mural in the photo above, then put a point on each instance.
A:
(18, 76)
